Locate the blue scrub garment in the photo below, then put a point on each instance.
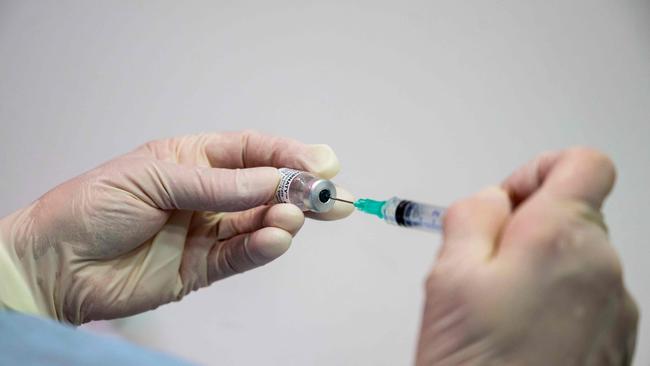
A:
(28, 340)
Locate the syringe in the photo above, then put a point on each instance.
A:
(398, 211)
(311, 193)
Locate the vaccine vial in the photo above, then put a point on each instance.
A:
(305, 190)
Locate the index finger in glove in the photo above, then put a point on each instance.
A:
(559, 196)
(246, 149)
(582, 174)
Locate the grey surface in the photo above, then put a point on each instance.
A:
(444, 97)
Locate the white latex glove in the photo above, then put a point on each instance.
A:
(527, 275)
(148, 227)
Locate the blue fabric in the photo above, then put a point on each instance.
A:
(28, 340)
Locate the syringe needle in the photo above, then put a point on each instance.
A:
(342, 200)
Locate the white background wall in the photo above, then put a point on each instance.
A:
(430, 100)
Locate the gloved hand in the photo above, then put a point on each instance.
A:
(527, 276)
(148, 227)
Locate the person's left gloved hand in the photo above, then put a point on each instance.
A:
(148, 227)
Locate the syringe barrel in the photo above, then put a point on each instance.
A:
(398, 211)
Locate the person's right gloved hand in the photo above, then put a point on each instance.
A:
(527, 275)
(148, 227)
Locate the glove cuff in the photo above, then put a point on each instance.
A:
(15, 293)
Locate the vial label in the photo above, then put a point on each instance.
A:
(286, 177)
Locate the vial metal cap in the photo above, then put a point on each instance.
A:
(320, 192)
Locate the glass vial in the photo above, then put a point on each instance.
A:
(305, 190)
